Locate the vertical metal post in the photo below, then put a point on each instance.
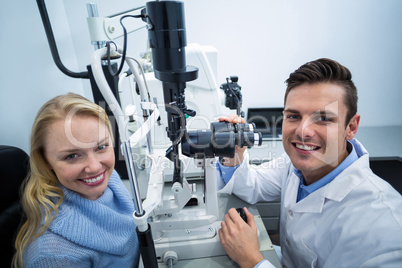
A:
(146, 114)
(126, 149)
(92, 9)
(144, 233)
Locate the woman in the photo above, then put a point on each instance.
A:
(79, 214)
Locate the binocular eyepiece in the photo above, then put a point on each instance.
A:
(220, 140)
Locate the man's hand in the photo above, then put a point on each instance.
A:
(240, 239)
(238, 158)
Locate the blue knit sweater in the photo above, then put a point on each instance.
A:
(87, 233)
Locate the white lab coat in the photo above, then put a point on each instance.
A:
(354, 221)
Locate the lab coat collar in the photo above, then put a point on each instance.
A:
(337, 189)
(313, 203)
(352, 176)
(340, 187)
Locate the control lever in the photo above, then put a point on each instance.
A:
(242, 214)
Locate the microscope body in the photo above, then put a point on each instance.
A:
(179, 209)
(182, 201)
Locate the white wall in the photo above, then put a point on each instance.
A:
(260, 41)
(263, 41)
(28, 76)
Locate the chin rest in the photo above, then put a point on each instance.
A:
(14, 167)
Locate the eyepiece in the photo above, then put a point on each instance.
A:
(220, 140)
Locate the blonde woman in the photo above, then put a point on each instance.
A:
(78, 212)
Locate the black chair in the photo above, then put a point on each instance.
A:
(390, 169)
(14, 167)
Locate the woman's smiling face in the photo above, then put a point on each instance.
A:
(80, 152)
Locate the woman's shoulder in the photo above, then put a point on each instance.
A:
(51, 246)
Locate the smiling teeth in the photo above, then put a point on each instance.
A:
(306, 147)
(93, 179)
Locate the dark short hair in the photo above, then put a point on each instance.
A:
(326, 71)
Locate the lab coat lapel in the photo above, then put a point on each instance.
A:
(289, 196)
(313, 203)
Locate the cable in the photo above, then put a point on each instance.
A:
(52, 43)
(123, 57)
(143, 76)
(120, 90)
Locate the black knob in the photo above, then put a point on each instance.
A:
(234, 78)
(242, 214)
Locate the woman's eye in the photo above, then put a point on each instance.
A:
(71, 156)
(102, 147)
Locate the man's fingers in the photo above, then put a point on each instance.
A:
(238, 120)
(228, 118)
(250, 217)
(233, 118)
(224, 231)
(221, 232)
(234, 215)
(223, 119)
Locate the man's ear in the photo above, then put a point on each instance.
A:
(351, 128)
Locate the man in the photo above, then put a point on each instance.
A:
(335, 212)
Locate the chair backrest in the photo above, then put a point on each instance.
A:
(389, 169)
(14, 167)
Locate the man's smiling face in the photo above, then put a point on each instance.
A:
(314, 128)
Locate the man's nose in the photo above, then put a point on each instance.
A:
(305, 129)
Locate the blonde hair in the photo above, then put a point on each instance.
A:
(41, 185)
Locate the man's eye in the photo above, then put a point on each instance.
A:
(71, 156)
(325, 119)
(292, 116)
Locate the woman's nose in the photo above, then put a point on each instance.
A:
(93, 165)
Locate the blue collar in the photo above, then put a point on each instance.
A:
(305, 190)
